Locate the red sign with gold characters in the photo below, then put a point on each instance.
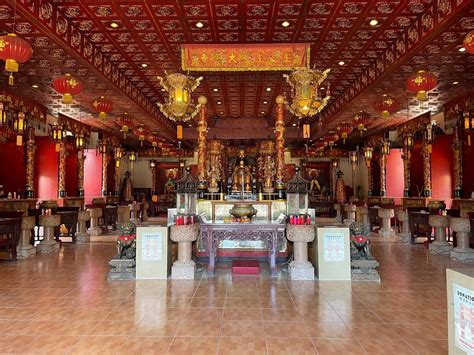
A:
(244, 57)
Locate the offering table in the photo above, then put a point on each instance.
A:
(272, 234)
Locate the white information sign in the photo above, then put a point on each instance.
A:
(464, 318)
(152, 246)
(333, 247)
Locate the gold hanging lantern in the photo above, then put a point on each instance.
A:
(306, 101)
(368, 151)
(19, 126)
(132, 156)
(57, 134)
(3, 114)
(178, 106)
(102, 146)
(80, 141)
(118, 155)
(385, 147)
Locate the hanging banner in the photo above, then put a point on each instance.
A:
(244, 57)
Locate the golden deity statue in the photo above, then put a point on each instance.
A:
(241, 175)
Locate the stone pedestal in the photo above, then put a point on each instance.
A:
(462, 227)
(81, 235)
(123, 214)
(48, 244)
(184, 267)
(405, 235)
(350, 214)
(386, 214)
(337, 208)
(134, 211)
(440, 245)
(122, 269)
(362, 216)
(365, 270)
(95, 214)
(24, 248)
(301, 235)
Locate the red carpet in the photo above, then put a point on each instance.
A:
(245, 267)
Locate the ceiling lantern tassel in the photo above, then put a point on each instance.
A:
(469, 42)
(386, 105)
(14, 51)
(420, 83)
(102, 106)
(68, 86)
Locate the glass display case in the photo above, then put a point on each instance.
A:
(297, 195)
(186, 195)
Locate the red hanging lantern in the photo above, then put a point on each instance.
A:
(68, 86)
(141, 133)
(344, 129)
(420, 83)
(125, 122)
(361, 119)
(154, 140)
(14, 50)
(331, 138)
(469, 42)
(386, 105)
(102, 106)
(320, 145)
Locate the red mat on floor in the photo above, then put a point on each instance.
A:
(245, 267)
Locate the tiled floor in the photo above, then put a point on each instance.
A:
(64, 304)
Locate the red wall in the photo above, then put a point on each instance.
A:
(468, 170)
(416, 170)
(12, 177)
(394, 174)
(442, 169)
(71, 172)
(92, 175)
(46, 169)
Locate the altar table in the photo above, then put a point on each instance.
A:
(272, 234)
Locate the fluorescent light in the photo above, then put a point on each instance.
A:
(373, 22)
(285, 24)
(199, 24)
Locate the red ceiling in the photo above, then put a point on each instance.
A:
(76, 36)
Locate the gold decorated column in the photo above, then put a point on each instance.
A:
(80, 172)
(383, 177)
(104, 173)
(406, 156)
(62, 169)
(202, 136)
(30, 162)
(370, 180)
(457, 151)
(280, 137)
(214, 169)
(426, 169)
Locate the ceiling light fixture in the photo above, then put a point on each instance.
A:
(455, 82)
(262, 112)
(215, 89)
(285, 24)
(268, 89)
(341, 62)
(219, 102)
(114, 24)
(199, 24)
(265, 102)
(34, 86)
(144, 65)
(373, 22)
(462, 49)
(294, 124)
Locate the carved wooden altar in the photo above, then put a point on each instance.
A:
(272, 234)
(17, 205)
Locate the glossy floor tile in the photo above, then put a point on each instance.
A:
(63, 304)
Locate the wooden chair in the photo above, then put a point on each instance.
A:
(419, 225)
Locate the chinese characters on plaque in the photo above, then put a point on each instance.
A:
(333, 246)
(464, 318)
(152, 249)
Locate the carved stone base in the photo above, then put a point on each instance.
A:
(440, 248)
(462, 254)
(83, 238)
(405, 238)
(365, 270)
(348, 222)
(183, 271)
(121, 269)
(94, 231)
(301, 271)
(25, 251)
(386, 232)
(47, 247)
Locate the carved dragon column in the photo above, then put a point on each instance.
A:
(30, 162)
(383, 178)
(214, 169)
(457, 151)
(104, 174)
(280, 137)
(80, 172)
(266, 166)
(62, 169)
(406, 156)
(426, 169)
(202, 137)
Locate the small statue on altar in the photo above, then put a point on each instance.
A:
(241, 174)
(314, 188)
(340, 188)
